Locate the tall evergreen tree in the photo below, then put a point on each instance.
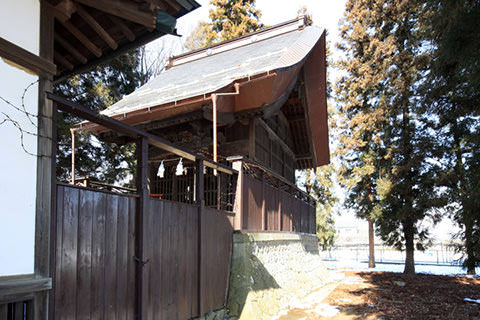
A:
(228, 19)
(231, 19)
(97, 89)
(319, 183)
(386, 144)
(453, 94)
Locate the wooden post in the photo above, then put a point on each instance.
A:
(214, 110)
(72, 132)
(174, 186)
(53, 216)
(280, 220)
(291, 211)
(219, 191)
(264, 207)
(251, 139)
(141, 226)
(45, 200)
(200, 202)
(239, 194)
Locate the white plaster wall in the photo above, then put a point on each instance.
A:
(19, 23)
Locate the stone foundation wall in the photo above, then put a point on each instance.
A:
(271, 270)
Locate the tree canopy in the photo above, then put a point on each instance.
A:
(97, 89)
(228, 19)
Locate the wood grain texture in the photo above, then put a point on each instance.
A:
(266, 208)
(26, 59)
(96, 246)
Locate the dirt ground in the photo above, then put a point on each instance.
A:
(384, 295)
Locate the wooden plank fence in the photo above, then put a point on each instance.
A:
(95, 261)
(266, 208)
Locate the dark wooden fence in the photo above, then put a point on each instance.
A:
(268, 208)
(95, 261)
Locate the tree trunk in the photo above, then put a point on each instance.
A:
(371, 245)
(408, 230)
(469, 246)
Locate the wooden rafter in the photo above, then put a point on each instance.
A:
(63, 61)
(97, 27)
(173, 4)
(157, 4)
(74, 52)
(83, 38)
(123, 9)
(62, 11)
(125, 29)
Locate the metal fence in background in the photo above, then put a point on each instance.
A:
(439, 254)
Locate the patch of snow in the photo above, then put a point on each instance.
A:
(386, 267)
(353, 280)
(326, 310)
(399, 283)
(472, 300)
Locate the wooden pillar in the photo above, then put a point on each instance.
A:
(174, 186)
(251, 139)
(45, 201)
(140, 227)
(264, 207)
(239, 194)
(219, 191)
(280, 220)
(200, 202)
(292, 210)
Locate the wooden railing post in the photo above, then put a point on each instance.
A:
(140, 224)
(238, 207)
(264, 207)
(200, 202)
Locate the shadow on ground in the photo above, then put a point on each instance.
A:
(384, 295)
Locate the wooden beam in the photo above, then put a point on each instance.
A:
(62, 11)
(116, 125)
(82, 38)
(97, 27)
(63, 61)
(174, 5)
(23, 285)
(123, 9)
(276, 137)
(157, 4)
(125, 29)
(26, 59)
(74, 52)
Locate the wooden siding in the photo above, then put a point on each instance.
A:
(95, 265)
(266, 208)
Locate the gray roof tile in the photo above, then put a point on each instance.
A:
(214, 72)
